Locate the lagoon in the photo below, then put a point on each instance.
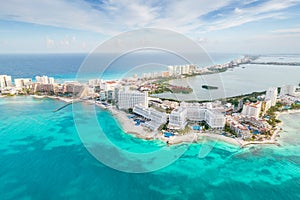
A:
(237, 81)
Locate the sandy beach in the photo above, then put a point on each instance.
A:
(129, 127)
(67, 100)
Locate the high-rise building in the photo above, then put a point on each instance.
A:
(44, 79)
(178, 118)
(156, 118)
(5, 81)
(22, 82)
(290, 90)
(252, 109)
(266, 105)
(196, 112)
(271, 94)
(215, 119)
(128, 99)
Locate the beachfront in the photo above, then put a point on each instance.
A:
(129, 127)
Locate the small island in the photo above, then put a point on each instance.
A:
(209, 87)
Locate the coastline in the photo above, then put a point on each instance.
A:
(138, 131)
(141, 132)
(64, 99)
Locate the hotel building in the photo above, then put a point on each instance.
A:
(44, 79)
(181, 69)
(252, 109)
(128, 99)
(290, 90)
(156, 118)
(266, 105)
(271, 94)
(178, 118)
(22, 82)
(215, 119)
(5, 81)
(197, 112)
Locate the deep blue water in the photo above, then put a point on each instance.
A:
(65, 66)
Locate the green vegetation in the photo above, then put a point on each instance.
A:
(271, 113)
(228, 130)
(163, 127)
(295, 106)
(165, 87)
(251, 96)
(130, 110)
(10, 95)
(205, 125)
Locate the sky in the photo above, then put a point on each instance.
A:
(75, 26)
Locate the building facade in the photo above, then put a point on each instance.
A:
(156, 118)
(252, 109)
(22, 82)
(271, 95)
(5, 81)
(178, 118)
(128, 99)
(44, 79)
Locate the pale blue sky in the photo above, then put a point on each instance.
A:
(234, 26)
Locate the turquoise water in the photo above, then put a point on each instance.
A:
(42, 157)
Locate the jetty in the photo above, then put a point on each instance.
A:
(62, 107)
(66, 105)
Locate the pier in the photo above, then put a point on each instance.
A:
(66, 105)
(62, 107)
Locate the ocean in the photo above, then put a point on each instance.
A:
(65, 67)
(42, 155)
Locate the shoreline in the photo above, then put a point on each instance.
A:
(141, 132)
(64, 99)
(127, 126)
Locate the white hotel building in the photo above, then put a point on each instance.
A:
(5, 81)
(271, 95)
(22, 82)
(178, 118)
(156, 118)
(128, 99)
(197, 113)
(290, 90)
(181, 69)
(252, 109)
(44, 79)
(215, 119)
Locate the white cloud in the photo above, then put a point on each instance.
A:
(113, 16)
(240, 16)
(290, 30)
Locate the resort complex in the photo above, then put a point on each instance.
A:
(245, 118)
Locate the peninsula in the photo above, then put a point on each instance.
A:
(241, 120)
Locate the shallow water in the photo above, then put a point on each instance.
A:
(42, 157)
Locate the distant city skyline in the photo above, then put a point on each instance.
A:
(227, 26)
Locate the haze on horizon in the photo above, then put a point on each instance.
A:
(227, 26)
